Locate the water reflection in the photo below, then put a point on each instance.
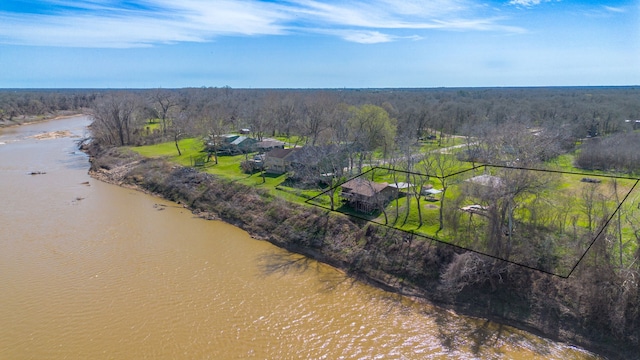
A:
(447, 334)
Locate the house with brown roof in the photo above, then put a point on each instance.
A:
(367, 196)
(278, 161)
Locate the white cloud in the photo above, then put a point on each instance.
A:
(106, 23)
(385, 14)
(527, 3)
(366, 37)
(614, 9)
(105, 26)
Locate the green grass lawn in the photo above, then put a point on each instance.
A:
(565, 196)
(228, 167)
(189, 147)
(291, 140)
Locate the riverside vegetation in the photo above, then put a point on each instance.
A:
(598, 306)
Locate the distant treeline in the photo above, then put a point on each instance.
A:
(318, 116)
(590, 111)
(19, 104)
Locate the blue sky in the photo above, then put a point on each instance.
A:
(318, 43)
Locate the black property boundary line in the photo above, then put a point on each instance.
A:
(603, 227)
(413, 233)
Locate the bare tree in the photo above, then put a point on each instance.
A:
(114, 118)
(589, 195)
(439, 165)
(163, 102)
(214, 121)
(179, 127)
(285, 115)
(316, 113)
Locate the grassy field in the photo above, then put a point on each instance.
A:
(228, 167)
(556, 219)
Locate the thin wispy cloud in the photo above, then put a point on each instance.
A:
(109, 24)
(365, 37)
(527, 3)
(97, 24)
(376, 14)
(614, 9)
(605, 11)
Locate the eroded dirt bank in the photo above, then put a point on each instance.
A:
(390, 259)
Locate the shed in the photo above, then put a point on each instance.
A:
(401, 185)
(487, 180)
(431, 191)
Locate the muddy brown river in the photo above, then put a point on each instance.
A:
(90, 270)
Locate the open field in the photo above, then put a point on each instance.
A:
(541, 219)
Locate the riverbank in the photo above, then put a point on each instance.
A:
(22, 120)
(390, 259)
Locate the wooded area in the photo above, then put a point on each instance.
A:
(567, 115)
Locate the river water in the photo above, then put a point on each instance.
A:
(90, 270)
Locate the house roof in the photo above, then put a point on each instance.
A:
(401, 185)
(242, 139)
(238, 140)
(364, 187)
(280, 153)
(314, 154)
(487, 180)
(432, 191)
(227, 138)
(269, 144)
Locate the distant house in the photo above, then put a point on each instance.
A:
(487, 181)
(475, 209)
(400, 185)
(219, 142)
(240, 145)
(428, 190)
(486, 187)
(268, 145)
(310, 163)
(634, 123)
(278, 161)
(367, 196)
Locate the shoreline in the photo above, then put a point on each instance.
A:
(6, 125)
(481, 302)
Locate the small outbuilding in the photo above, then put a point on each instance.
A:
(487, 181)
